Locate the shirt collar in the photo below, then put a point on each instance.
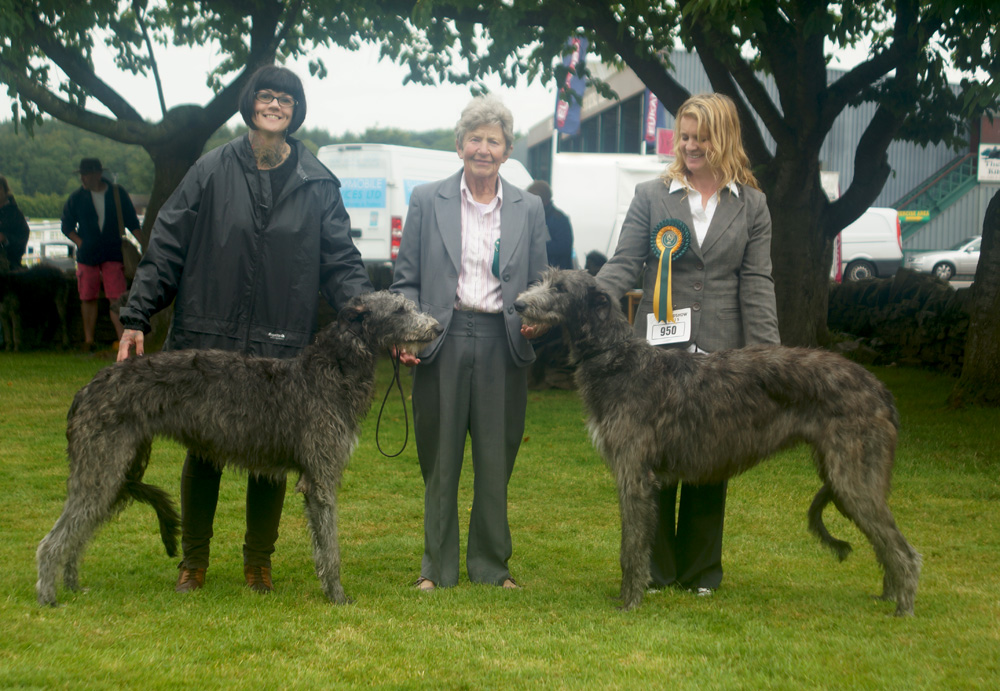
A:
(677, 185)
(467, 193)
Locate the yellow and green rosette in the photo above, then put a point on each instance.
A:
(669, 241)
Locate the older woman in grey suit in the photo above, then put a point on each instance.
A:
(471, 243)
(709, 217)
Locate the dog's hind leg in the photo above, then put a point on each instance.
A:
(64, 545)
(900, 562)
(91, 498)
(321, 510)
(638, 514)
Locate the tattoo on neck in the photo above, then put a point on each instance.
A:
(269, 157)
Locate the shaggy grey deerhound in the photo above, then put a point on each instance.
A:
(263, 415)
(662, 416)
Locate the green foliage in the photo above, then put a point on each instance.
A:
(788, 615)
(45, 164)
(42, 205)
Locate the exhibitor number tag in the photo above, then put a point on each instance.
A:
(677, 331)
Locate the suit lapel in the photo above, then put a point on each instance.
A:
(729, 207)
(677, 206)
(448, 213)
(512, 222)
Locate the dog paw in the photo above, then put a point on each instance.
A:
(338, 597)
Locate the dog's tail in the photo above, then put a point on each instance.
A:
(823, 497)
(134, 488)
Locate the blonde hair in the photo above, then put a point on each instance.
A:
(718, 121)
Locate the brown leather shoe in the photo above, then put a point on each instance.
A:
(189, 579)
(258, 578)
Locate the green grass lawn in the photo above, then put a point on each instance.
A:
(788, 615)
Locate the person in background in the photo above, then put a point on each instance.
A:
(559, 247)
(90, 220)
(243, 247)
(551, 368)
(14, 230)
(471, 243)
(722, 288)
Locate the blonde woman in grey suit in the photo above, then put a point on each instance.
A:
(721, 295)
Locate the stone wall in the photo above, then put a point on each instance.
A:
(910, 319)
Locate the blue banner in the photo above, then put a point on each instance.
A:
(567, 118)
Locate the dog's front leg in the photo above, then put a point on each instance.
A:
(638, 514)
(321, 510)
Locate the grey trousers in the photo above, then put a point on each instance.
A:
(472, 387)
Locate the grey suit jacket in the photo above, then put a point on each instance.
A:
(726, 282)
(430, 255)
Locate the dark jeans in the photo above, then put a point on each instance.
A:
(199, 498)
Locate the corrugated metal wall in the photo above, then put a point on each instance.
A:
(962, 219)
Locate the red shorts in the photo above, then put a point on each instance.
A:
(89, 278)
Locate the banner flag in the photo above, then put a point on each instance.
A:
(654, 116)
(567, 117)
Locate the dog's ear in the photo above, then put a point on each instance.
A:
(600, 303)
(354, 313)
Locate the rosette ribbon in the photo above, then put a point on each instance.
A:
(669, 242)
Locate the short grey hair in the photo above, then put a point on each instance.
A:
(485, 110)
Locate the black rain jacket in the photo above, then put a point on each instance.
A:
(244, 263)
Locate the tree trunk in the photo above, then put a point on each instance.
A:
(979, 383)
(171, 160)
(801, 255)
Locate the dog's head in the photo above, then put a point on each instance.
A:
(564, 297)
(384, 319)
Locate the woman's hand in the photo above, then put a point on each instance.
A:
(130, 337)
(408, 359)
(535, 330)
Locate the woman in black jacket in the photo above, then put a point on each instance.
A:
(243, 247)
(14, 230)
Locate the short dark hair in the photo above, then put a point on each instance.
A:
(277, 79)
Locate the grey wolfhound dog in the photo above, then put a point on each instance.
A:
(662, 416)
(263, 415)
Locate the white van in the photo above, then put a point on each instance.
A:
(376, 182)
(595, 191)
(871, 247)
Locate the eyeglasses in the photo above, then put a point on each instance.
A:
(267, 97)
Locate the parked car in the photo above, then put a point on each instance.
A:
(960, 260)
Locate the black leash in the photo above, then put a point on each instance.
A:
(406, 417)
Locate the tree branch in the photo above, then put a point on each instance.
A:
(81, 74)
(125, 131)
(138, 8)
